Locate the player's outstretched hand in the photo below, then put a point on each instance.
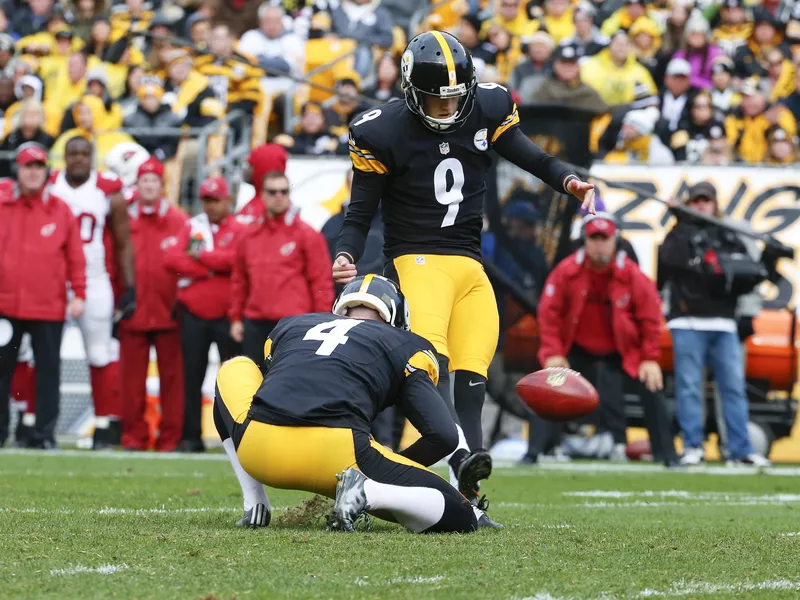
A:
(343, 270)
(584, 192)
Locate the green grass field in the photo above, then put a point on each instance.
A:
(76, 525)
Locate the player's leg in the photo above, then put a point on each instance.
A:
(134, 348)
(46, 342)
(430, 290)
(473, 334)
(196, 337)
(96, 326)
(170, 370)
(23, 391)
(11, 332)
(385, 482)
(237, 381)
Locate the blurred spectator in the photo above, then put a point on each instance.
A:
(673, 36)
(781, 75)
(366, 22)
(202, 259)
(111, 116)
(32, 17)
(6, 53)
(637, 142)
(401, 11)
(129, 15)
(529, 75)
(690, 141)
(508, 52)
(646, 40)
(782, 147)
(511, 16)
(792, 32)
(42, 253)
(238, 15)
(734, 30)
(129, 100)
(69, 85)
(84, 13)
(483, 52)
(387, 85)
(274, 48)
(718, 152)
(600, 315)
(152, 115)
(29, 129)
(751, 58)
(189, 93)
(747, 127)
(29, 87)
(615, 73)
(558, 19)
(314, 135)
(262, 160)
(701, 303)
(723, 94)
(565, 86)
(198, 30)
(234, 77)
(347, 105)
(587, 38)
(698, 51)
(279, 251)
(625, 17)
(677, 95)
(792, 101)
(155, 225)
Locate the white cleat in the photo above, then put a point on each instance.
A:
(351, 501)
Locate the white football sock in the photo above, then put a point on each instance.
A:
(252, 490)
(416, 508)
(462, 445)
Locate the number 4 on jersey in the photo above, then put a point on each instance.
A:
(332, 334)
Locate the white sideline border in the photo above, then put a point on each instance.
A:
(502, 469)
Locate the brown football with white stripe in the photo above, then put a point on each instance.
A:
(558, 394)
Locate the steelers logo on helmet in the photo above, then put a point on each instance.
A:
(438, 67)
(378, 293)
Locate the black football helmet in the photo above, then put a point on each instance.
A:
(378, 293)
(435, 63)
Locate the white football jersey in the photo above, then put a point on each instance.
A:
(91, 206)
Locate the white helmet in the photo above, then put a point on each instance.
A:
(125, 159)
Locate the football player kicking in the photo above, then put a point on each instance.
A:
(305, 424)
(427, 159)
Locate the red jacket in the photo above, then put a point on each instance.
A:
(282, 268)
(156, 285)
(204, 285)
(635, 310)
(40, 251)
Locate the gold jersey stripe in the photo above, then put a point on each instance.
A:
(425, 361)
(510, 121)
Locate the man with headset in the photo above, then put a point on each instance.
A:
(600, 315)
(40, 253)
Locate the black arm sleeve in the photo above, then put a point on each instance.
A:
(515, 147)
(422, 405)
(365, 195)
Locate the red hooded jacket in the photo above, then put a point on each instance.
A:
(152, 236)
(265, 158)
(204, 285)
(635, 310)
(282, 268)
(40, 251)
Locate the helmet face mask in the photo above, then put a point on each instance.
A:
(435, 64)
(378, 293)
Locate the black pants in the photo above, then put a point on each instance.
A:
(608, 377)
(46, 342)
(196, 337)
(256, 333)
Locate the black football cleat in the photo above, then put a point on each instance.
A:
(258, 516)
(473, 469)
(485, 520)
(351, 501)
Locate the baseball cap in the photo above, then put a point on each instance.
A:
(31, 153)
(215, 188)
(599, 224)
(566, 53)
(679, 66)
(704, 189)
(151, 165)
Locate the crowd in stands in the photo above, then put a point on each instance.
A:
(704, 81)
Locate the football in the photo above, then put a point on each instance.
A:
(558, 394)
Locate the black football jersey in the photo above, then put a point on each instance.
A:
(329, 371)
(433, 199)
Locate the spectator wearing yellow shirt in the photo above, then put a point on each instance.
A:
(558, 20)
(751, 58)
(70, 84)
(782, 147)
(646, 40)
(110, 118)
(508, 51)
(734, 29)
(781, 75)
(532, 73)
(625, 17)
(512, 16)
(29, 88)
(615, 72)
(27, 128)
(747, 127)
(189, 93)
(131, 16)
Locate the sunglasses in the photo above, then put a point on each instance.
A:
(281, 191)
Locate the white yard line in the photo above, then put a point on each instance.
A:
(792, 534)
(78, 569)
(365, 581)
(686, 495)
(111, 511)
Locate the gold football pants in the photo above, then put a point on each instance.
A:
(305, 458)
(452, 305)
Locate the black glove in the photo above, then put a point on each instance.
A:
(127, 304)
(745, 327)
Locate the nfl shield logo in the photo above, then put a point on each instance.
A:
(444, 148)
